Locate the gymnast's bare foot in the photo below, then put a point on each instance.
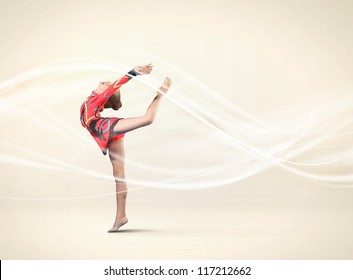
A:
(118, 224)
(165, 86)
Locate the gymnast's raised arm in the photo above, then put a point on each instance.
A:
(106, 89)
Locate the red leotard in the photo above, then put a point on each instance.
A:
(101, 128)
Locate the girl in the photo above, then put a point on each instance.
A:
(109, 132)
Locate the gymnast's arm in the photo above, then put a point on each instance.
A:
(138, 70)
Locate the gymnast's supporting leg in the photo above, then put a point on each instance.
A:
(117, 154)
(117, 158)
(128, 124)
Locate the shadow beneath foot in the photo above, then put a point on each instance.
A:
(138, 231)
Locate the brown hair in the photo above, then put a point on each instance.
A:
(114, 101)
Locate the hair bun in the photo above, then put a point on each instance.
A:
(114, 102)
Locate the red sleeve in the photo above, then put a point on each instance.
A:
(103, 97)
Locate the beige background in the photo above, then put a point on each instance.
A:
(262, 91)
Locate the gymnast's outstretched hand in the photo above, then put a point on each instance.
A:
(144, 69)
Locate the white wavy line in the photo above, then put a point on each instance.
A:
(197, 112)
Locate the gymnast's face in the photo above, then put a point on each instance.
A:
(104, 85)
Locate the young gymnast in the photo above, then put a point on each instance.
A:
(109, 132)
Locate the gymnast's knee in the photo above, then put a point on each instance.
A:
(119, 179)
(148, 119)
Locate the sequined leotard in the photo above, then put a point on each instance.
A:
(101, 128)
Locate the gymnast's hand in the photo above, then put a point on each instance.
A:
(144, 69)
